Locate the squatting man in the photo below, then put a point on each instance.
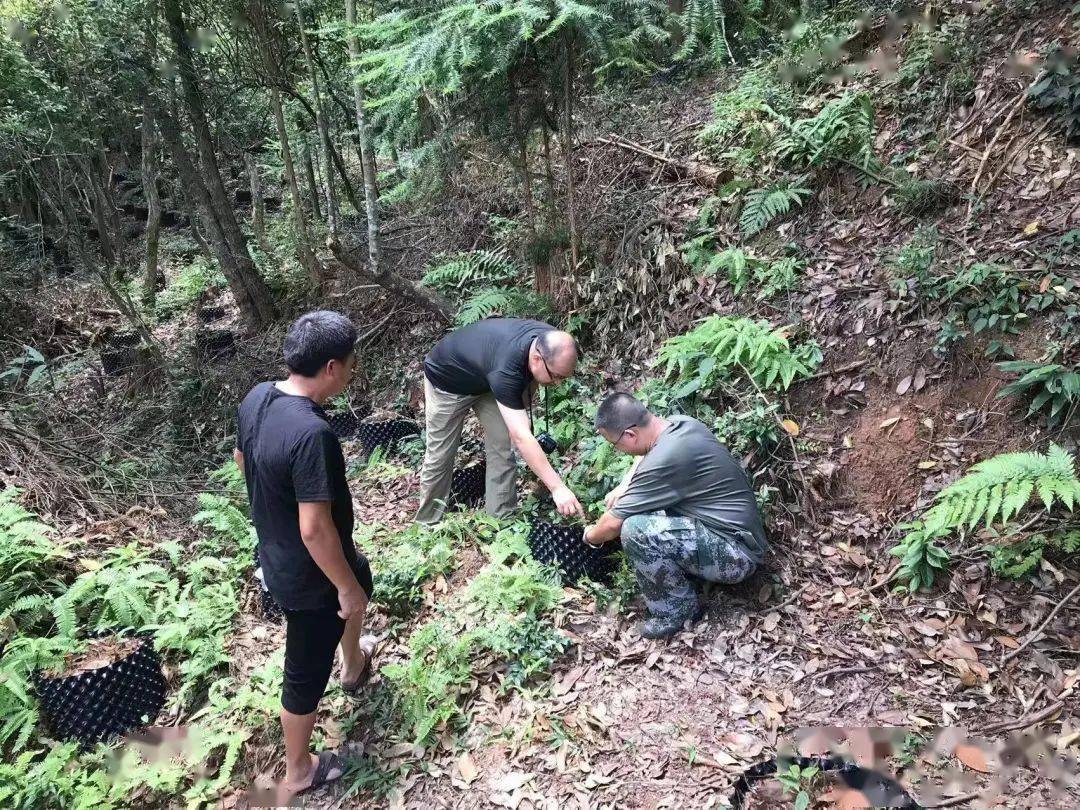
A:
(685, 511)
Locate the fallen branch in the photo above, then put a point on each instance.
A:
(701, 173)
(1013, 110)
(392, 282)
(1037, 634)
(1031, 720)
(838, 370)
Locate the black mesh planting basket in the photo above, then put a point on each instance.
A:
(344, 424)
(208, 314)
(562, 547)
(117, 361)
(467, 486)
(215, 343)
(101, 703)
(373, 435)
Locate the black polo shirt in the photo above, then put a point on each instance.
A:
(489, 355)
(291, 456)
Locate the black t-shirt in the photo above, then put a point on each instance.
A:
(292, 456)
(489, 355)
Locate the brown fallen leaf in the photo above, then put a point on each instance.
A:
(467, 768)
(973, 757)
(791, 426)
(904, 385)
(888, 423)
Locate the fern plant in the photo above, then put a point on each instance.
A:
(843, 131)
(507, 302)
(24, 656)
(118, 593)
(467, 269)
(231, 533)
(1054, 388)
(762, 206)
(1016, 560)
(742, 269)
(994, 492)
(30, 559)
(726, 348)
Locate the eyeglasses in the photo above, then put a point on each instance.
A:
(555, 378)
(626, 430)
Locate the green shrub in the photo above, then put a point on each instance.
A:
(189, 285)
(743, 269)
(466, 270)
(842, 132)
(1057, 88)
(1054, 388)
(726, 349)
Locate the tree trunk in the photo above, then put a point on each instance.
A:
(112, 209)
(150, 170)
(197, 192)
(323, 126)
(187, 205)
(97, 195)
(258, 206)
(303, 236)
(523, 156)
(568, 149)
(251, 287)
(367, 150)
(549, 175)
(309, 171)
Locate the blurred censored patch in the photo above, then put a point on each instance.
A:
(940, 764)
(876, 45)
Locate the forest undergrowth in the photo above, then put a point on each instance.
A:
(847, 242)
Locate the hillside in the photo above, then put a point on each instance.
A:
(850, 246)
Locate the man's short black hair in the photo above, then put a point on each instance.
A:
(619, 412)
(317, 338)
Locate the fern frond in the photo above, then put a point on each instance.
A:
(993, 492)
(764, 205)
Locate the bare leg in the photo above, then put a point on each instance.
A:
(300, 763)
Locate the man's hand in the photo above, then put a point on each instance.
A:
(351, 602)
(612, 497)
(566, 502)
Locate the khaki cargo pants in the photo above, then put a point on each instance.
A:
(445, 414)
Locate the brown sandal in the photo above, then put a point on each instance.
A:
(368, 644)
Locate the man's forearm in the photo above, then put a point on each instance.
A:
(605, 530)
(324, 546)
(538, 462)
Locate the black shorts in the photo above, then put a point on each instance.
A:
(311, 636)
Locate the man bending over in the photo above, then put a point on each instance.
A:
(303, 515)
(492, 367)
(685, 510)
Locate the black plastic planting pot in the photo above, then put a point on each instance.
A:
(468, 485)
(388, 435)
(344, 425)
(118, 360)
(98, 704)
(268, 606)
(208, 314)
(562, 547)
(215, 343)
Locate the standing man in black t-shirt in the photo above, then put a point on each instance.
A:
(303, 515)
(492, 367)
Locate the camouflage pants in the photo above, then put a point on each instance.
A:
(666, 552)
